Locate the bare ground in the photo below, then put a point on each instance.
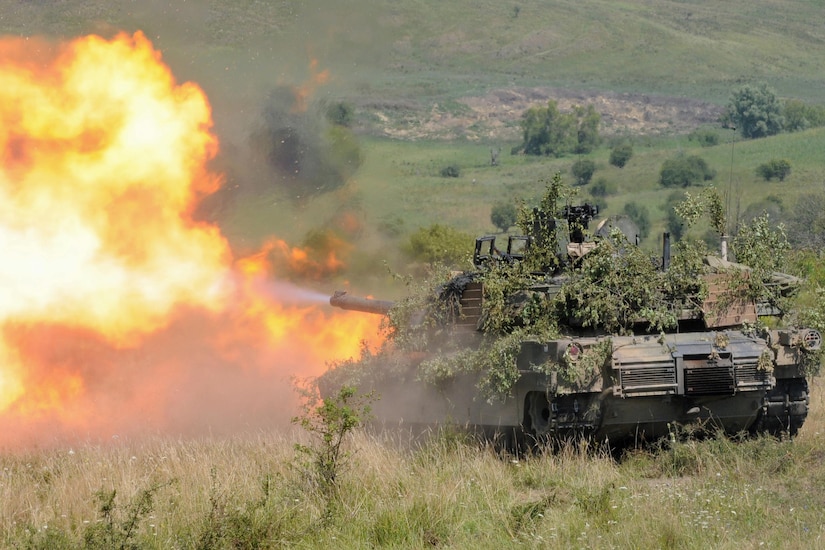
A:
(495, 116)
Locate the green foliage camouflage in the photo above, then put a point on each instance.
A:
(615, 289)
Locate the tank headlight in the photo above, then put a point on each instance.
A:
(573, 352)
(811, 339)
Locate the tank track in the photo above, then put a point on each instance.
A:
(785, 408)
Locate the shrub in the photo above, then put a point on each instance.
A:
(439, 243)
(603, 188)
(704, 137)
(583, 170)
(774, 168)
(684, 171)
(621, 154)
(504, 215)
(330, 422)
(640, 216)
(451, 171)
(801, 116)
(341, 113)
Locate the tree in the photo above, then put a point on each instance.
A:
(801, 116)
(756, 111)
(774, 168)
(504, 215)
(548, 132)
(587, 129)
(583, 170)
(684, 171)
(621, 154)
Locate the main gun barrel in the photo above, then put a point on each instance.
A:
(368, 305)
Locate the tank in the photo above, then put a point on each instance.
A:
(559, 335)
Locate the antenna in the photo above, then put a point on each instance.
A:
(730, 181)
(728, 195)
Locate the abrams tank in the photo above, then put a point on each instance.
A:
(559, 335)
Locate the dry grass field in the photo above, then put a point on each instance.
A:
(256, 491)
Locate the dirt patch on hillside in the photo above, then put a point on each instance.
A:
(496, 115)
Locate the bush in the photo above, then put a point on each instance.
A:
(504, 215)
(640, 216)
(684, 171)
(621, 154)
(775, 168)
(583, 170)
(341, 114)
(801, 116)
(439, 243)
(603, 188)
(451, 171)
(704, 137)
(330, 422)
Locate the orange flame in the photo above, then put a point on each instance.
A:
(304, 92)
(120, 311)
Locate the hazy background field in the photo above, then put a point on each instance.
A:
(434, 84)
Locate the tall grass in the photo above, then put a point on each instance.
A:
(443, 491)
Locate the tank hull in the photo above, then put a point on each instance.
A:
(649, 387)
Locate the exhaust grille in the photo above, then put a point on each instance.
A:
(648, 379)
(749, 376)
(709, 379)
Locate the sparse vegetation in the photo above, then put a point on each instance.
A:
(243, 493)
